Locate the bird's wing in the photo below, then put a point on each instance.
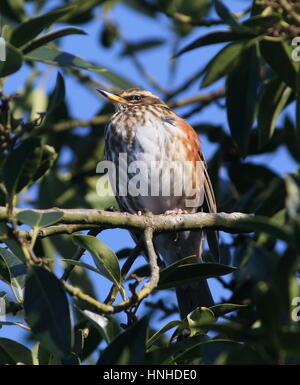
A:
(210, 206)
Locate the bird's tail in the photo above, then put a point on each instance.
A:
(192, 296)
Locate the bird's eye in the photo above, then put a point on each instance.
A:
(135, 97)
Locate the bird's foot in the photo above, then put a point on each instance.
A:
(176, 212)
(138, 213)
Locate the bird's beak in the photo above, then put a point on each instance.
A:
(112, 97)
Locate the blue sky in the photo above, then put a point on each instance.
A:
(85, 104)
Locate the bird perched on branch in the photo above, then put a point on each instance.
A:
(168, 175)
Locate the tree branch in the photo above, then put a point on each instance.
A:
(82, 219)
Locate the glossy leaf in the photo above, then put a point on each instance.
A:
(58, 95)
(228, 17)
(47, 311)
(32, 218)
(31, 28)
(273, 101)
(241, 97)
(27, 163)
(278, 55)
(170, 277)
(207, 351)
(225, 308)
(13, 60)
(133, 48)
(48, 37)
(214, 38)
(165, 328)
(107, 325)
(105, 259)
(199, 317)
(12, 353)
(223, 63)
(16, 272)
(55, 57)
(128, 348)
(80, 264)
(259, 24)
(293, 196)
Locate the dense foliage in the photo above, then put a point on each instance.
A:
(259, 63)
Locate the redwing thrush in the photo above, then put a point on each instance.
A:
(147, 131)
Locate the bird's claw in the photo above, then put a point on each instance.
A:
(176, 212)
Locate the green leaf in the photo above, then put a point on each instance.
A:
(48, 37)
(12, 244)
(214, 38)
(27, 163)
(162, 356)
(188, 273)
(105, 259)
(265, 225)
(58, 96)
(128, 348)
(228, 17)
(241, 97)
(274, 98)
(165, 328)
(293, 196)
(199, 317)
(133, 48)
(47, 311)
(259, 24)
(22, 164)
(16, 270)
(207, 351)
(278, 55)
(12, 353)
(223, 63)
(13, 59)
(81, 264)
(55, 57)
(48, 157)
(31, 28)
(225, 308)
(32, 218)
(108, 326)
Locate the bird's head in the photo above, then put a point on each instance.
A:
(131, 97)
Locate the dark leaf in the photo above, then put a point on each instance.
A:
(47, 311)
(279, 57)
(44, 39)
(133, 48)
(241, 97)
(12, 353)
(128, 348)
(225, 308)
(21, 165)
(170, 277)
(58, 95)
(273, 101)
(214, 38)
(223, 63)
(31, 28)
(228, 17)
(259, 24)
(55, 57)
(16, 270)
(13, 59)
